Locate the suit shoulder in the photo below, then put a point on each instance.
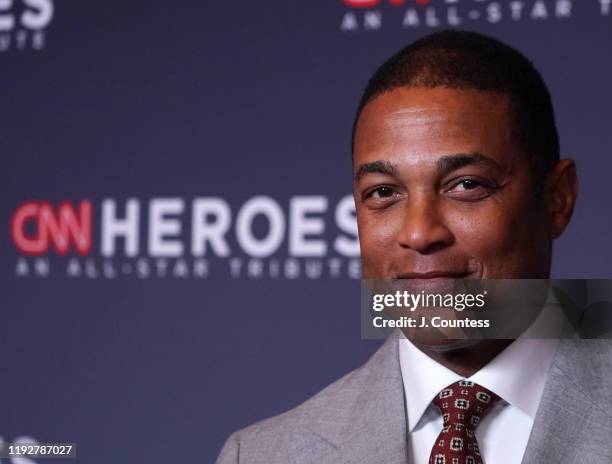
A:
(316, 407)
(266, 441)
(318, 422)
(589, 364)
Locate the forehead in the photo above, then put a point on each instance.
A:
(434, 120)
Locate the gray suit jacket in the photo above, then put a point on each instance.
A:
(361, 418)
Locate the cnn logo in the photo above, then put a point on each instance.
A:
(37, 226)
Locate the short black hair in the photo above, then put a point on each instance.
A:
(469, 60)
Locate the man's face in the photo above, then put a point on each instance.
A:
(443, 190)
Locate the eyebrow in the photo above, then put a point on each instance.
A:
(451, 163)
(375, 167)
(445, 164)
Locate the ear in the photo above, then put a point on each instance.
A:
(562, 191)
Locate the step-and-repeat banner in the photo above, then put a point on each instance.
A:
(179, 254)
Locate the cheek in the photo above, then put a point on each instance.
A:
(500, 240)
(377, 238)
(483, 234)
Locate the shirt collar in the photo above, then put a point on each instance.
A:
(517, 374)
(423, 378)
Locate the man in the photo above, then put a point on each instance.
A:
(457, 175)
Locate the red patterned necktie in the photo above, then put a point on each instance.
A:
(462, 405)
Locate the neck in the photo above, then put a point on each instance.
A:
(466, 360)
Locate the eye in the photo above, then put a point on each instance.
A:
(380, 197)
(470, 189)
(466, 184)
(380, 192)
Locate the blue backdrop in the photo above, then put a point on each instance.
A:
(177, 257)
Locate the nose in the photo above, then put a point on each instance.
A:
(424, 229)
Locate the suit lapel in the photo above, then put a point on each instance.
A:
(572, 424)
(371, 424)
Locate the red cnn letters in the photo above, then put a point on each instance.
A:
(61, 227)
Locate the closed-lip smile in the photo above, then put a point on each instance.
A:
(433, 275)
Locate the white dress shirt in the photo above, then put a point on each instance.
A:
(517, 375)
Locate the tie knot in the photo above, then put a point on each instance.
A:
(463, 404)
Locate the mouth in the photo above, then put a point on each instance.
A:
(433, 275)
(436, 281)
